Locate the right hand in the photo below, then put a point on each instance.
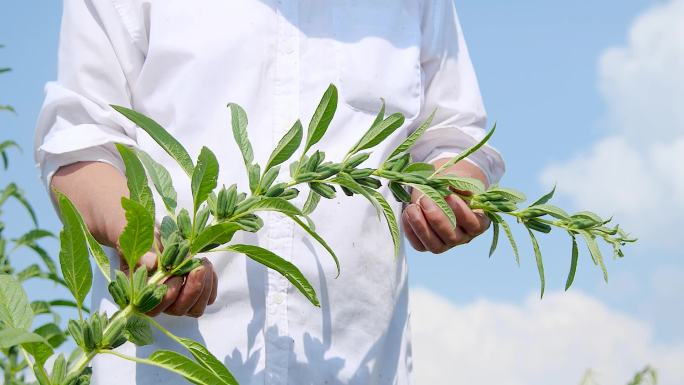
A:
(187, 295)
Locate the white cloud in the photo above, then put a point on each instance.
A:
(637, 173)
(535, 343)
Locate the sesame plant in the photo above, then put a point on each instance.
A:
(217, 213)
(13, 363)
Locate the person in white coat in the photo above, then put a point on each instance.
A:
(180, 62)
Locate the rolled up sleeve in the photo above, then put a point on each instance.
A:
(96, 63)
(451, 89)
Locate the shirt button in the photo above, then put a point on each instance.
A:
(279, 298)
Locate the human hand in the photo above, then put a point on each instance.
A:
(186, 295)
(429, 229)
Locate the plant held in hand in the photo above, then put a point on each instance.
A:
(218, 213)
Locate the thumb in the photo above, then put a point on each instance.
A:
(149, 260)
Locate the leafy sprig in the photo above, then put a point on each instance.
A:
(217, 214)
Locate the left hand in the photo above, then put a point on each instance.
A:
(428, 228)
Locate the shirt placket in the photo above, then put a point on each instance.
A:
(279, 229)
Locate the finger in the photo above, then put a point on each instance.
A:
(190, 292)
(198, 308)
(410, 235)
(423, 231)
(175, 284)
(149, 260)
(214, 288)
(440, 223)
(471, 223)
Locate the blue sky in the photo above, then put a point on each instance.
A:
(539, 68)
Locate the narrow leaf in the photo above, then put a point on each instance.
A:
(287, 269)
(318, 239)
(311, 202)
(438, 199)
(320, 121)
(138, 235)
(544, 199)
(204, 177)
(380, 132)
(415, 135)
(184, 366)
(73, 255)
(573, 263)
(136, 179)
(466, 153)
(15, 310)
(214, 236)
(595, 252)
(287, 146)
(540, 262)
(138, 331)
(161, 136)
(161, 179)
(380, 202)
(209, 361)
(495, 238)
(13, 337)
(239, 123)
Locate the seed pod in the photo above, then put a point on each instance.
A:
(150, 297)
(139, 280)
(505, 207)
(201, 220)
(254, 171)
(370, 182)
(539, 226)
(169, 255)
(290, 193)
(413, 178)
(118, 294)
(123, 283)
(328, 171)
(75, 329)
(357, 159)
(347, 191)
(323, 189)
(361, 173)
(226, 202)
(491, 196)
(184, 223)
(241, 197)
(268, 179)
(531, 212)
(167, 228)
(314, 161)
(188, 267)
(183, 249)
(246, 205)
(306, 177)
(276, 190)
(294, 166)
(400, 194)
(401, 163)
(96, 326)
(88, 339)
(58, 374)
(583, 223)
(250, 224)
(114, 333)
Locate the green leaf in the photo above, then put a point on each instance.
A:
(420, 168)
(544, 199)
(461, 183)
(204, 177)
(184, 366)
(138, 331)
(13, 337)
(466, 153)
(509, 235)
(415, 135)
(52, 334)
(495, 236)
(311, 203)
(73, 255)
(138, 235)
(136, 179)
(30, 237)
(438, 199)
(161, 136)
(239, 123)
(509, 194)
(208, 361)
(573, 263)
(39, 350)
(380, 115)
(381, 203)
(31, 271)
(287, 146)
(275, 204)
(345, 180)
(552, 210)
(287, 269)
(320, 121)
(595, 252)
(101, 259)
(59, 368)
(161, 179)
(214, 236)
(380, 132)
(11, 190)
(318, 239)
(40, 307)
(540, 262)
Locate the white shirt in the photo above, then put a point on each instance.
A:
(181, 62)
